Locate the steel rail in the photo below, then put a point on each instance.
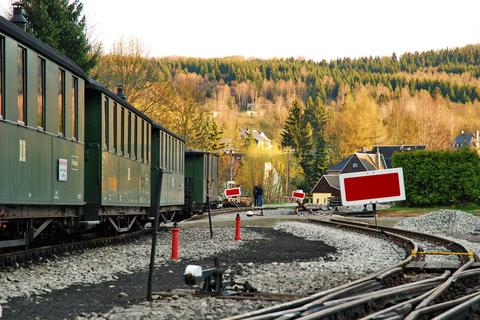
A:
(277, 309)
(456, 246)
(9, 258)
(467, 308)
(324, 302)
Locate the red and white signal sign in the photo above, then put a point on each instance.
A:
(233, 192)
(298, 195)
(369, 187)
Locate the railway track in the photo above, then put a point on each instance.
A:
(11, 258)
(418, 287)
(216, 212)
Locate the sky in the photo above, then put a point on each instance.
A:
(313, 29)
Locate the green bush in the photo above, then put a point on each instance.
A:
(440, 177)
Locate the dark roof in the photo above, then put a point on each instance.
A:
(388, 150)
(369, 162)
(92, 84)
(365, 158)
(195, 151)
(332, 180)
(339, 166)
(28, 40)
(464, 139)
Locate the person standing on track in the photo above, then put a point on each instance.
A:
(259, 196)
(255, 196)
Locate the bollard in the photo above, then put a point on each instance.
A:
(237, 227)
(175, 236)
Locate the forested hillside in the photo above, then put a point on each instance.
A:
(339, 106)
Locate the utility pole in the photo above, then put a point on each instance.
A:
(287, 180)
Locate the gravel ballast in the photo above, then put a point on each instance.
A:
(446, 221)
(107, 263)
(352, 260)
(259, 245)
(456, 225)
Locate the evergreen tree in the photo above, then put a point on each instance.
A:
(316, 116)
(293, 128)
(299, 134)
(62, 25)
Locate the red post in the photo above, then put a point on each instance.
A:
(237, 227)
(175, 236)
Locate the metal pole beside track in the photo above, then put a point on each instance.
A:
(152, 255)
(209, 216)
(156, 209)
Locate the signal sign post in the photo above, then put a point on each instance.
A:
(232, 192)
(298, 195)
(372, 187)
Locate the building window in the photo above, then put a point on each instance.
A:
(354, 165)
(115, 127)
(2, 74)
(75, 108)
(61, 102)
(106, 126)
(41, 93)
(21, 84)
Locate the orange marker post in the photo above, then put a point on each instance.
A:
(175, 236)
(237, 227)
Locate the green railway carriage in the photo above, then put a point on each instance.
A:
(117, 161)
(41, 137)
(168, 166)
(201, 179)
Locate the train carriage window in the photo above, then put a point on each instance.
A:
(22, 84)
(61, 102)
(2, 75)
(106, 124)
(139, 140)
(177, 153)
(135, 139)
(115, 127)
(41, 93)
(164, 149)
(169, 154)
(174, 162)
(172, 150)
(182, 156)
(142, 152)
(122, 131)
(74, 108)
(148, 144)
(129, 137)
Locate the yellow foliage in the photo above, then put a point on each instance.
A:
(267, 167)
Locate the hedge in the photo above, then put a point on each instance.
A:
(440, 177)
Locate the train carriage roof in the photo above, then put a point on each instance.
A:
(10, 29)
(195, 151)
(93, 84)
